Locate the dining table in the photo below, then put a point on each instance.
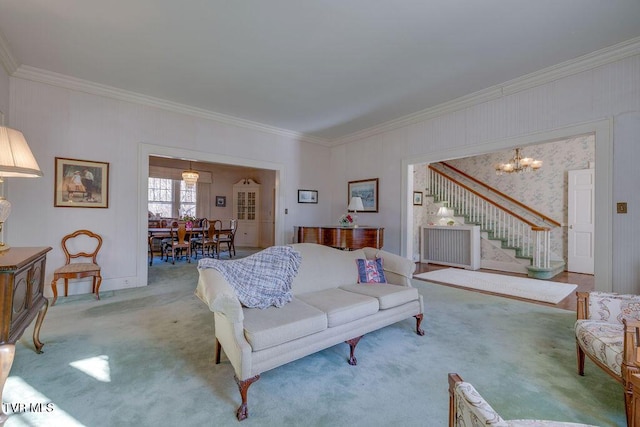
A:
(165, 233)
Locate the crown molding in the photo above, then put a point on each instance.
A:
(574, 66)
(583, 63)
(423, 115)
(61, 80)
(9, 63)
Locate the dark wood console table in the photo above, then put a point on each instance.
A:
(21, 300)
(342, 237)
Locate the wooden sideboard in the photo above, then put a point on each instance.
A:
(342, 237)
(21, 300)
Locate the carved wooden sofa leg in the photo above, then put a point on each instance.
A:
(419, 318)
(353, 342)
(243, 386)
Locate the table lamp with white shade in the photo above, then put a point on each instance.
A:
(443, 213)
(355, 205)
(16, 160)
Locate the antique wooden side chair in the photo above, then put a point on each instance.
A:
(179, 241)
(225, 236)
(74, 246)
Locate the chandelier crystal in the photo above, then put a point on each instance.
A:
(518, 164)
(190, 177)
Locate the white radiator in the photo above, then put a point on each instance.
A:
(457, 245)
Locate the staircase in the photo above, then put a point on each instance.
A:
(515, 237)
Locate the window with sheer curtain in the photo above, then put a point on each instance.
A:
(171, 198)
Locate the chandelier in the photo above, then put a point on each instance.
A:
(190, 176)
(518, 164)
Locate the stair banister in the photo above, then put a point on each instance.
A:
(505, 196)
(504, 223)
(472, 191)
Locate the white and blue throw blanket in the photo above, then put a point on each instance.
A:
(262, 279)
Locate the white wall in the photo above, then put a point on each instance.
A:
(59, 122)
(610, 91)
(4, 95)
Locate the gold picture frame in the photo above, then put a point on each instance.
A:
(81, 183)
(367, 190)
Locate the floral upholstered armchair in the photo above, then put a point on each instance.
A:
(606, 330)
(468, 409)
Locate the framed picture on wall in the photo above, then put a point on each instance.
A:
(81, 183)
(417, 198)
(307, 196)
(221, 201)
(367, 190)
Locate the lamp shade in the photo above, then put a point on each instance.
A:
(442, 212)
(356, 204)
(15, 156)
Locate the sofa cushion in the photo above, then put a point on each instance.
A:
(370, 271)
(388, 295)
(323, 267)
(603, 340)
(264, 328)
(341, 306)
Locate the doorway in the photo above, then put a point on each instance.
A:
(603, 185)
(145, 151)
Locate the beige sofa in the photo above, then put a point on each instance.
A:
(328, 307)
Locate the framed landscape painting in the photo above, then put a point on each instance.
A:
(367, 190)
(307, 196)
(81, 183)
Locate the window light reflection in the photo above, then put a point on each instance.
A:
(96, 367)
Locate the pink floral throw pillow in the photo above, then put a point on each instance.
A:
(370, 271)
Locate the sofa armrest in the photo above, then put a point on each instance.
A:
(214, 290)
(398, 270)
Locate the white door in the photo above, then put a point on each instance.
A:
(581, 221)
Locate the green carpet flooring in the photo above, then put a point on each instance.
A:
(144, 357)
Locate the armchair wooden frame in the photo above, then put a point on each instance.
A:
(630, 345)
(78, 270)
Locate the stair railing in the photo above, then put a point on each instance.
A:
(530, 239)
(501, 195)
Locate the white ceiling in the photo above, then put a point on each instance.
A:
(322, 68)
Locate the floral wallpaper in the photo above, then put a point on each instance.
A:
(545, 189)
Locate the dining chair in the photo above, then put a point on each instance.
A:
(225, 236)
(81, 244)
(179, 242)
(204, 239)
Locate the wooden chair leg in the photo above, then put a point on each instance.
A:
(66, 287)
(580, 357)
(98, 279)
(54, 288)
